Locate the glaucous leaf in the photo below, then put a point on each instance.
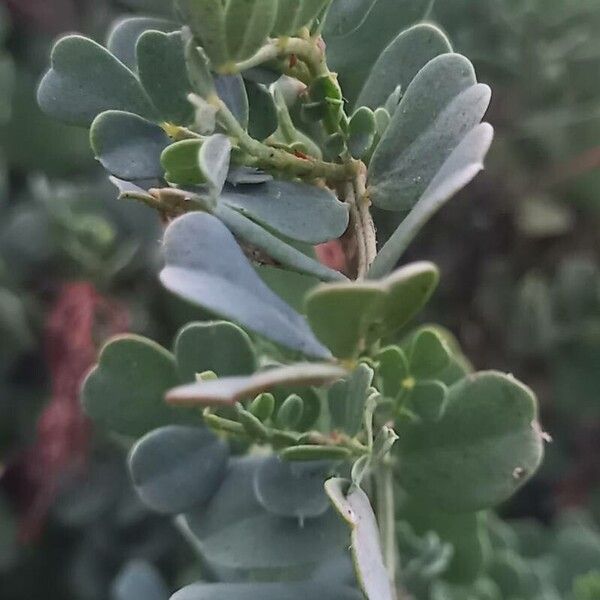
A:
(175, 468)
(206, 18)
(85, 79)
(247, 26)
(126, 32)
(346, 16)
(139, 580)
(267, 591)
(180, 163)
(292, 489)
(262, 120)
(392, 370)
(163, 72)
(290, 287)
(292, 15)
(278, 249)
(128, 146)
(217, 346)
(213, 159)
(486, 445)
(429, 354)
(400, 62)
(354, 507)
(352, 56)
(361, 132)
(425, 129)
(347, 399)
(298, 211)
(125, 391)
(460, 168)
(241, 175)
(345, 316)
(232, 91)
(229, 390)
(205, 265)
(427, 400)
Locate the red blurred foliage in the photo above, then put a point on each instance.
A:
(332, 255)
(79, 321)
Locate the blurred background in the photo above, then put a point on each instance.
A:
(519, 251)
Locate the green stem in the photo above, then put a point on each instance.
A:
(276, 159)
(386, 517)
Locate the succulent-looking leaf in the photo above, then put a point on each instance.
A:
(85, 80)
(125, 392)
(247, 25)
(205, 265)
(206, 19)
(139, 581)
(213, 159)
(230, 390)
(262, 121)
(460, 168)
(427, 400)
(486, 445)
(346, 316)
(400, 62)
(292, 489)
(163, 73)
(353, 56)
(126, 32)
(292, 15)
(236, 535)
(198, 67)
(240, 175)
(267, 591)
(216, 346)
(354, 507)
(361, 131)
(346, 16)
(175, 469)
(279, 250)
(429, 354)
(299, 211)
(392, 370)
(290, 287)
(232, 91)
(180, 163)
(347, 399)
(425, 130)
(128, 146)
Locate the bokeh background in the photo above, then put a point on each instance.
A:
(519, 252)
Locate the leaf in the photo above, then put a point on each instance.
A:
(266, 591)
(354, 507)
(232, 91)
(280, 250)
(262, 121)
(288, 13)
(347, 399)
(347, 316)
(163, 73)
(425, 130)
(213, 159)
(216, 346)
(150, 6)
(236, 535)
(175, 469)
(299, 211)
(126, 32)
(128, 146)
(290, 287)
(125, 391)
(346, 16)
(205, 265)
(229, 390)
(248, 24)
(241, 175)
(392, 370)
(180, 163)
(460, 168)
(353, 55)
(85, 80)
(485, 446)
(361, 131)
(292, 489)
(427, 400)
(206, 19)
(139, 580)
(400, 62)
(429, 354)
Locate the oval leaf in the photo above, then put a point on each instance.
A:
(247, 25)
(346, 16)
(175, 469)
(213, 159)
